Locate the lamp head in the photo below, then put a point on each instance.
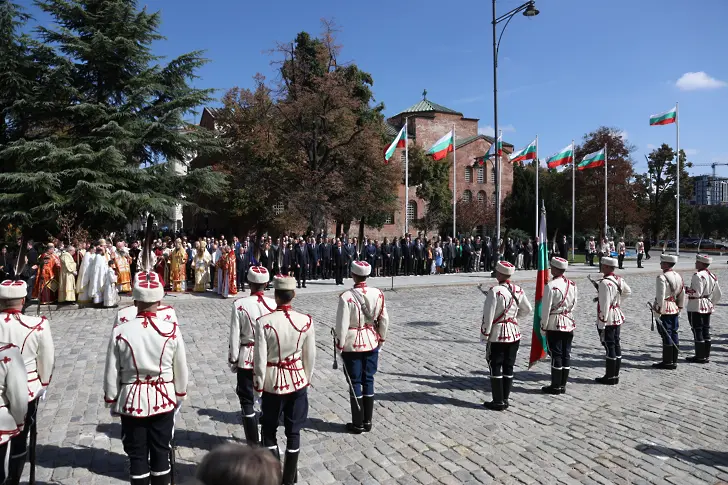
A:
(531, 10)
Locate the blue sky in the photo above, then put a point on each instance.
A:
(578, 65)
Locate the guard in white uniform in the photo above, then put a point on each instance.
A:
(360, 331)
(592, 250)
(703, 294)
(640, 251)
(669, 301)
(127, 314)
(32, 335)
(557, 321)
(621, 252)
(245, 311)
(14, 396)
(611, 289)
(145, 383)
(285, 352)
(505, 303)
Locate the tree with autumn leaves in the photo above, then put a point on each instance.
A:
(311, 142)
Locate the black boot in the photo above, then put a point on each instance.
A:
(250, 427)
(706, 352)
(368, 412)
(666, 359)
(564, 379)
(274, 450)
(15, 469)
(507, 384)
(617, 367)
(555, 386)
(611, 370)
(699, 351)
(161, 479)
(675, 353)
(496, 386)
(290, 468)
(357, 416)
(138, 481)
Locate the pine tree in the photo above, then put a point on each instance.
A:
(96, 149)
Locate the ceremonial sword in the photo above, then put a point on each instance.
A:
(659, 322)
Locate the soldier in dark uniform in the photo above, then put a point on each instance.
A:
(300, 262)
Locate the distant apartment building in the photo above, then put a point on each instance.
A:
(709, 190)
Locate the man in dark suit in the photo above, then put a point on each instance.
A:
(313, 259)
(370, 253)
(486, 254)
(406, 256)
(7, 264)
(450, 255)
(240, 267)
(386, 258)
(467, 255)
(267, 261)
(352, 253)
(339, 261)
(419, 250)
(300, 262)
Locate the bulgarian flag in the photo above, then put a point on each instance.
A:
(399, 142)
(564, 157)
(593, 160)
(538, 341)
(442, 147)
(665, 118)
(528, 153)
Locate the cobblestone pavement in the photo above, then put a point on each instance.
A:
(656, 427)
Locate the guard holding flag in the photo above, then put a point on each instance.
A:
(669, 301)
(611, 289)
(33, 336)
(504, 304)
(361, 329)
(703, 294)
(245, 312)
(557, 322)
(284, 356)
(145, 383)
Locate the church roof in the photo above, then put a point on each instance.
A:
(427, 106)
(461, 142)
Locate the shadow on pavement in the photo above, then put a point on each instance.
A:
(182, 437)
(699, 456)
(226, 417)
(422, 397)
(325, 426)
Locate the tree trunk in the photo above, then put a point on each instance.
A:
(337, 231)
(346, 228)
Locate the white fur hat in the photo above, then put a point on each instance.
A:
(506, 268)
(559, 263)
(13, 290)
(147, 288)
(361, 268)
(702, 258)
(258, 275)
(281, 282)
(610, 262)
(668, 258)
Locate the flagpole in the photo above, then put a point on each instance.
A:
(606, 164)
(454, 185)
(573, 199)
(677, 182)
(538, 167)
(406, 177)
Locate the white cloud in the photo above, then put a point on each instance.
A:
(470, 100)
(690, 151)
(650, 146)
(488, 130)
(692, 81)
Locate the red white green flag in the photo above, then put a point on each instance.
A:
(538, 341)
(593, 160)
(399, 142)
(665, 118)
(528, 153)
(564, 157)
(442, 147)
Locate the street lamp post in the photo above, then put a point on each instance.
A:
(529, 10)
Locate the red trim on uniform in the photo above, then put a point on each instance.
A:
(363, 284)
(147, 314)
(180, 394)
(284, 308)
(109, 401)
(257, 293)
(13, 311)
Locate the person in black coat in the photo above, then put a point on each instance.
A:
(406, 257)
(240, 268)
(563, 247)
(7, 264)
(467, 255)
(300, 260)
(396, 257)
(450, 255)
(287, 259)
(267, 260)
(339, 261)
(419, 257)
(486, 254)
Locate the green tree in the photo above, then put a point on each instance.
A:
(96, 150)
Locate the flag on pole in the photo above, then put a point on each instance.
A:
(564, 157)
(442, 147)
(499, 144)
(665, 118)
(528, 153)
(593, 160)
(399, 142)
(538, 341)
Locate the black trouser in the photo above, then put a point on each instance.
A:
(301, 274)
(245, 392)
(450, 263)
(294, 408)
(326, 269)
(620, 260)
(503, 358)
(147, 443)
(611, 341)
(670, 323)
(560, 348)
(339, 272)
(240, 279)
(3, 454)
(700, 323)
(639, 259)
(19, 443)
